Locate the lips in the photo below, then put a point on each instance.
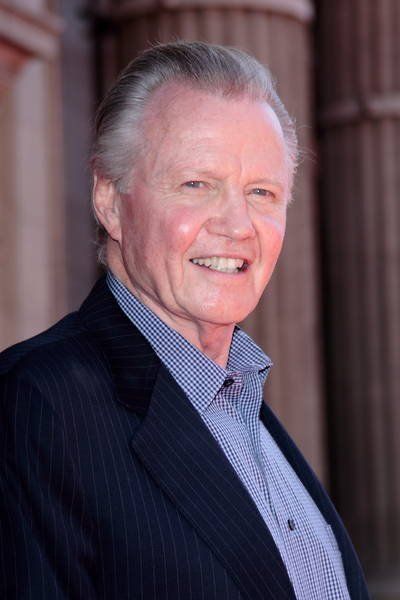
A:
(222, 263)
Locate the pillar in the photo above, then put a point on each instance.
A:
(359, 100)
(286, 322)
(31, 219)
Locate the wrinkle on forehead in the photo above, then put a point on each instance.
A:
(206, 159)
(172, 100)
(184, 127)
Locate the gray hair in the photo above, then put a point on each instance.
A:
(219, 70)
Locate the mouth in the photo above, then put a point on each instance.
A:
(222, 264)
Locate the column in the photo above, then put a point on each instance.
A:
(32, 240)
(359, 89)
(286, 323)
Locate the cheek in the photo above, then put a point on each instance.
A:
(182, 226)
(273, 230)
(271, 241)
(276, 239)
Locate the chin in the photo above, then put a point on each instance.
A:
(225, 314)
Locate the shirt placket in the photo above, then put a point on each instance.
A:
(247, 411)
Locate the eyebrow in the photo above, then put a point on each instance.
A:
(194, 172)
(198, 172)
(213, 174)
(269, 181)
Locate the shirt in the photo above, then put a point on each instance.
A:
(229, 402)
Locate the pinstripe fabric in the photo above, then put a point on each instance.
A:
(112, 487)
(305, 541)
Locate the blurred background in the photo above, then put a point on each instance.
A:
(330, 319)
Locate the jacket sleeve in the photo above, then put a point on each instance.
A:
(46, 542)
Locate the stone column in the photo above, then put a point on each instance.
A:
(286, 323)
(78, 105)
(359, 88)
(32, 241)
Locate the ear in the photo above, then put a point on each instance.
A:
(106, 201)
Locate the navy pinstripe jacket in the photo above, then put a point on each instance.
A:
(112, 487)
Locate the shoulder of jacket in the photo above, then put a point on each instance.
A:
(64, 346)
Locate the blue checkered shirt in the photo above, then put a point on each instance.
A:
(229, 401)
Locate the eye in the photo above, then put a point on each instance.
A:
(262, 192)
(195, 185)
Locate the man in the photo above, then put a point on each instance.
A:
(139, 459)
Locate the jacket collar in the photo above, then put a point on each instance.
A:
(132, 362)
(184, 459)
(182, 456)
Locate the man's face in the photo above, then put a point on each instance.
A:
(203, 223)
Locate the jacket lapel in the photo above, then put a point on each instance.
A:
(181, 455)
(352, 567)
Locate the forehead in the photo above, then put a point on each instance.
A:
(184, 126)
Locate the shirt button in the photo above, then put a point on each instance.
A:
(291, 524)
(228, 382)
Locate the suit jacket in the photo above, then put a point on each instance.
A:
(112, 486)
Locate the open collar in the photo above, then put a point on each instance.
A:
(199, 377)
(182, 457)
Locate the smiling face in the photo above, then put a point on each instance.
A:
(202, 226)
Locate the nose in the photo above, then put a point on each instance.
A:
(231, 218)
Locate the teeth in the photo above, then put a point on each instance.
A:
(220, 263)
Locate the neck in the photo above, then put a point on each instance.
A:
(214, 340)
(211, 339)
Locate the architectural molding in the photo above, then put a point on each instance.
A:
(11, 60)
(382, 106)
(300, 10)
(30, 33)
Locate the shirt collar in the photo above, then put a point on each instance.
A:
(198, 376)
